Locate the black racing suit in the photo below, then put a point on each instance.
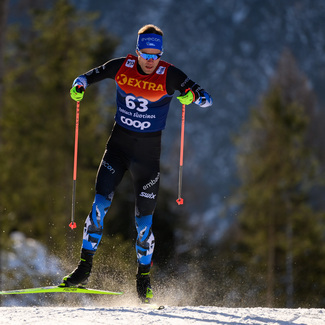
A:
(130, 149)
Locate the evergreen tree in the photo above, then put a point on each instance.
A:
(37, 128)
(280, 246)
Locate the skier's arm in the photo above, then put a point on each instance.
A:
(190, 91)
(107, 70)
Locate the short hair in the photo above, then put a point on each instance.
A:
(150, 29)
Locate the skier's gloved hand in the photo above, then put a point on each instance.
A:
(204, 99)
(77, 92)
(187, 98)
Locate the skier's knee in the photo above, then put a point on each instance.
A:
(93, 230)
(99, 209)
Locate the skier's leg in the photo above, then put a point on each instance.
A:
(145, 206)
(109, 175)
(93, 230)
(145, 240)
(145, 172)
(146, 184)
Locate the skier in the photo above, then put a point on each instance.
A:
(145, 86)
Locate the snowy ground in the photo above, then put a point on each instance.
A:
(65, 309)
(169, 315)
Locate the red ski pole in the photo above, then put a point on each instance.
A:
(72, 224)
(180, 200)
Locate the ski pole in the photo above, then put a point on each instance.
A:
(72, 224)
(180, 200)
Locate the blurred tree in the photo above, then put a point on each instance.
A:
(38, 121)
(280, 235)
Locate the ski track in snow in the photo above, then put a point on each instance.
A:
(168, 316)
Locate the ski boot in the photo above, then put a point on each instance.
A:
(144, 290)
(79, 277)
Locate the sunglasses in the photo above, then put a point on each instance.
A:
(147, 56)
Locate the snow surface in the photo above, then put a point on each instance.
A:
(66, 309)
(169, 315)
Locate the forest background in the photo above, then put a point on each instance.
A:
(259, 241)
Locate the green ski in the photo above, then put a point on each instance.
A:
(59, 289)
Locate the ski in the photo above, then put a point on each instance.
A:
(50, 289)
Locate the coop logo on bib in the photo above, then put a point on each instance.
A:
(135, 123)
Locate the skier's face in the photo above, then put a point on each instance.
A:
(148, 65)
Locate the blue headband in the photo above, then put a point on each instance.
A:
(150, 41)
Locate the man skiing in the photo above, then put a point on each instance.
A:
(145, 86)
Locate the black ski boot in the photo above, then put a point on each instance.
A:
(144, 290)
(81, 274)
